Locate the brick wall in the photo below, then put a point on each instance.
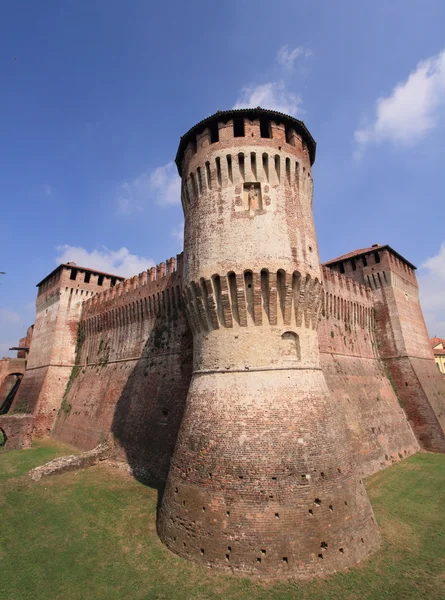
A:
(355, 374)
(134, 369)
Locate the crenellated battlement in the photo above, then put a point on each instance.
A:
(344, 282)
(346, 300)
(145, 285)
(241, 168)
(247, 126)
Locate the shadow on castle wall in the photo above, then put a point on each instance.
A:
(149, 411)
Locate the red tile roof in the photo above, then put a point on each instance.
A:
(367, 251)
(79, 268)
(353, 254)
(435, 341)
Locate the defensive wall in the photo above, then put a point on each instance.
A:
(52, 353)
(133, 369)
(402, 338)
(349, 354)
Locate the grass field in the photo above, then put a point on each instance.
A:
(91, 535)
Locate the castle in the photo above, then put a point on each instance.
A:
(259, 385)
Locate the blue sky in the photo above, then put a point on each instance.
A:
(95, 95)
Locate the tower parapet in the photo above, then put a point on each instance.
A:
(402, 337)
(261, 481)
(52, 351)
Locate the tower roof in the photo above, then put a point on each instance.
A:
(79, 268)
(251, 113)
(356, 253)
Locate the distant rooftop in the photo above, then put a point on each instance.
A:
(72, 265)
(362, 251)
(435, 341)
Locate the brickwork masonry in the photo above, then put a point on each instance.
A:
(132, 371)
(257, 385)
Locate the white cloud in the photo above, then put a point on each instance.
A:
(286, 57)
(4, 348)
(431, 278)
(12, 328)
(413, 109)
(47, 189)
(118, 262)
(9, 316)
(162, 184)
(178, 233)
(272, 95)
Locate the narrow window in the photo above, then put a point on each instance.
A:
(376, 257)
(200, 183)
(231, 277)
(229, 168)
(289, 136)
(218, 170)
(87, 277)
(365, 262)
(238, 127)
(214, 133)
(342, 268)
(277, 167)
(194, 187)
(266, 166)
(265, 131)
(73, 274)
(353, 264)
(253, 165)
(186, 193)
(113, 281)
(297, 173)
(281, 288)
(288, 170)
(209, 176)
(100, 280)
(241, 166)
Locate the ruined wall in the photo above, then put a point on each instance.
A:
(25, 342)
(378, 428)
(133, 371)
(18, 435)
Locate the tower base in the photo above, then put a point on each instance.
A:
(262, 481)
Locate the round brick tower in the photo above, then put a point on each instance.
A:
(262, 481)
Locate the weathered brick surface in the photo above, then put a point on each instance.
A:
(52, 353)
(17, 430)
(134, 372)
(11, 373)
(377, 425)
(262, 480)
(402, 341)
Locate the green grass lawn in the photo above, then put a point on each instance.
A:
(90, 535)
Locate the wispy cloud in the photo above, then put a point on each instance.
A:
(273, 95)
(12, 328)
(9, 316)
(47, 189)
(287, 57)
(431, 278)
(119, 262)
(161, 185)
(413, 108)
(178, 233)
